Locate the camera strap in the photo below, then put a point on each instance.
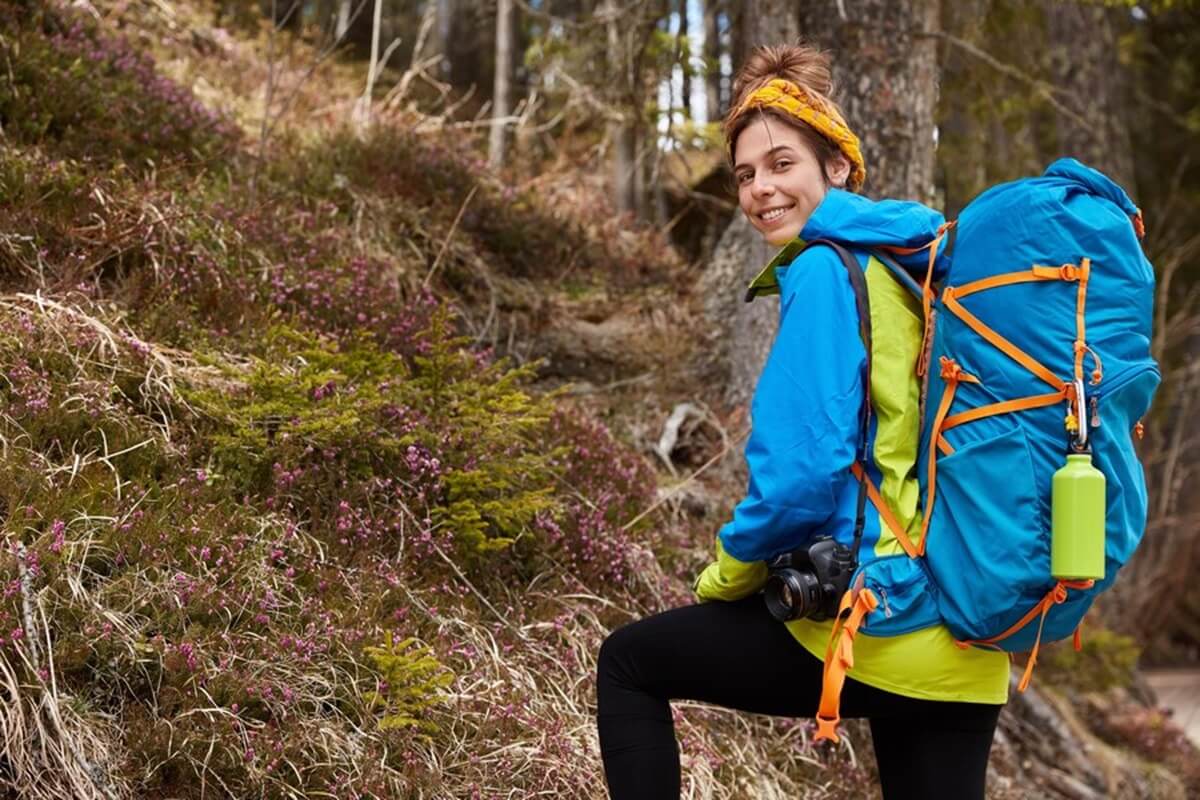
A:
(862, 301)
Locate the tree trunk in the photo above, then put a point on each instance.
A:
(502, 87)
(1083, 53)
(341, 24)
(735, 13)
(768, 22)
(966, 142)
(621, 131)
(686, 65)
(743, 333)
(712, 61)
(889, 86)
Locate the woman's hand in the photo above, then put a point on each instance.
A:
(729, 579)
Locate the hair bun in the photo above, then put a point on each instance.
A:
(802, 64)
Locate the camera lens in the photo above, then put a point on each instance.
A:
(792, 594)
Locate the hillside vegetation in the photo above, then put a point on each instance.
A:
(278, 520)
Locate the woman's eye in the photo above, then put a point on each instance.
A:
(782, 164)
(744, 178)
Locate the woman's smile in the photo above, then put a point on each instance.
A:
(774, 215)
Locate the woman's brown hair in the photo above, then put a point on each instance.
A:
(803, 65)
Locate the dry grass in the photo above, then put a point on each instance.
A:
(518, 720)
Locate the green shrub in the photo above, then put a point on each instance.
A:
(366, 444)
(411, 683)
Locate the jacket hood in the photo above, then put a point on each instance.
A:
(859, 222)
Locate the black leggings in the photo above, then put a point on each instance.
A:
(736, 655)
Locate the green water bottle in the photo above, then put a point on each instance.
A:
(1077, 508)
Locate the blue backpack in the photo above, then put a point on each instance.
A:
(1038, 333)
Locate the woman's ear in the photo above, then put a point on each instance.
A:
(838, 169)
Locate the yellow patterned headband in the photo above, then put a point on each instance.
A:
(823, 117)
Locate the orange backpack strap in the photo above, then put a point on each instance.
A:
(950, 297)
(952, 374)
(885, 513)
(1005, 407)
(927, 293)
(1056, 595)
(839, 657)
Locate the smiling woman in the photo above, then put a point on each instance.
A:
(804, 533)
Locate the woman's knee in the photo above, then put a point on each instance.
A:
(618, 654)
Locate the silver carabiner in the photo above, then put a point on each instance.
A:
(1081, 430)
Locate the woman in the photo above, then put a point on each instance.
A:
(932, 706)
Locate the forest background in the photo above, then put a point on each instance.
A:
(366, 361)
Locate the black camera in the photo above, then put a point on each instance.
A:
(810, 581)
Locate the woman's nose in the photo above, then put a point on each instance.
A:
(762, 188)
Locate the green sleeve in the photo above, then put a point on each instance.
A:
(730, 579)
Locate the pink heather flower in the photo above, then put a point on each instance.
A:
(58, 530)
(137, 345)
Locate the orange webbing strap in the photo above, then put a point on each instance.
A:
(950, 301)
(1139, 224)
(944, 446)
(1067, 272)
(839, 657)
(1053, 597)
(952, 374)
(927, 288)
(1006, 407)
(1080, 328)
(885, 512)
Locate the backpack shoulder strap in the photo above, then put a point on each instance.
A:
(862, 301)
(858, 282)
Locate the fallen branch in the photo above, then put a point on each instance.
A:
(674, 490)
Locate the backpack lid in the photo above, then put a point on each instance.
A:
(1092, 181)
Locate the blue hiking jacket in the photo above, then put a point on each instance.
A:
(805, 414)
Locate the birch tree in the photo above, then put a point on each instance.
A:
(502, 86)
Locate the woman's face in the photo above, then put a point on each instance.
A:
(779, 179)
